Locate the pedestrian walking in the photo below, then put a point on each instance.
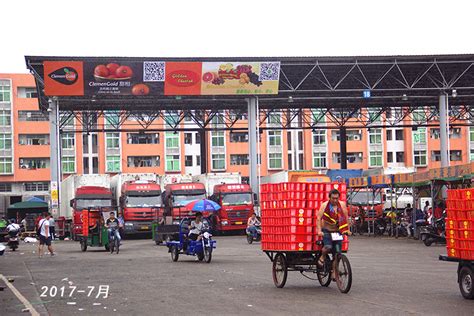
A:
(44, 236)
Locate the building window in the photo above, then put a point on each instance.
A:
(68, 164)
(351, 157)
(32, 116)
(471, 134)
(274, 118)
(5, 187)
(142, 161)
(67, 141)
(238, 137)
(471, 157)
(172, 163)
(112, 140)
(375, 136)
(455, 133)
(420, 157)
(375, 159)
(351, 135)
(5, 141)
(5, 91)
(319, 116)
(36, 186)
(188, 138)
(239, 160)
(274, 138)
(217, 139)
(218, 161)
(198, 160)
(198, 138)
(188, 161)
(6, 166)
(389, 134)
(172, 140)
(455, 155)
(30, 93)
(436, 155)
(275, 161)
(389, 156)
(143, 138)
(400, 156)
(319, 137)
(237, 115)
(375, 115)
(398, 134)
(434, 133)
(319, 160)
(5, 117)
(112, 119)
(419, 136)
(34, 139)
(34, 163)
(112, 164)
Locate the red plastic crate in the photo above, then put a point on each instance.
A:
(465, 224)
(301, 246)
(452, 243)
(467, 254)
(451, 223)
(451, 233)
(453, 252)
(313, 204)
(271, 221)
(340, 186)
(314, 187)
(466, 244)
(466, 233)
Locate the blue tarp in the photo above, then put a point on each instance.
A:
(346, 174)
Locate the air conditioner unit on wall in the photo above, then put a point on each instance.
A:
(356, 137)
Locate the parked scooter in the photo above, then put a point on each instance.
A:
(13, 239)
(255, 235)
(433, 233)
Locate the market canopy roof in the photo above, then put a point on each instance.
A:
(359, 81)
(28, 206)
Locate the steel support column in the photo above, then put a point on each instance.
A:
(343, 146)
(55, 161)
(443, 129)
(252, 104)
(203, 134)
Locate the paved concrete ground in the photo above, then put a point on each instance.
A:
(391, 277)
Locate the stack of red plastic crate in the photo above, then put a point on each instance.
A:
(289, 212)
(460, 224)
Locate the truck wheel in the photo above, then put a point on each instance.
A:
(466, 282)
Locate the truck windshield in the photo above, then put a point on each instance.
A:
(361, 198)
(182, 200)
(86, 203)
(144, 201)
(237, 199)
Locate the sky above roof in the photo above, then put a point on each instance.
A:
(209, 28)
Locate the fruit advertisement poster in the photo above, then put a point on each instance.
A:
(110, 77)
(240, 78)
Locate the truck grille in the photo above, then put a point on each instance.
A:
(234, 215)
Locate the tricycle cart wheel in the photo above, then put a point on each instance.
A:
(466, 282)
(280, 270)
(427, 241)
(324, 274)
(343, 274)
(107, 248)
(174, 253)
(249, 239)
(200, 256)
(207, 254)
(83, 245)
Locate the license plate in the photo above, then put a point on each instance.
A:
(144, 227)
(336, 236)
(238, 223)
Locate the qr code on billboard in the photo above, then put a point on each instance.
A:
(269, 71)
(153, 71)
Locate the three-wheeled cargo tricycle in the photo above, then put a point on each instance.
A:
(94, 231)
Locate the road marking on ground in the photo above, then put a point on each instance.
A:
(20, 297)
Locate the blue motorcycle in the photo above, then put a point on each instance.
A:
(200, 248)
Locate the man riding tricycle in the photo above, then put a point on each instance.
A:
(99, 229)
(194, 237)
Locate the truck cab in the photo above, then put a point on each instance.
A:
(138, 201)
(237, 205)
(366, 201)
(88, 197)
(176, 196)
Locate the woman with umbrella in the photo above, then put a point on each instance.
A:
(196, 227)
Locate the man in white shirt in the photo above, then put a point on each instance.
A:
(45, 236)
(13, 228)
